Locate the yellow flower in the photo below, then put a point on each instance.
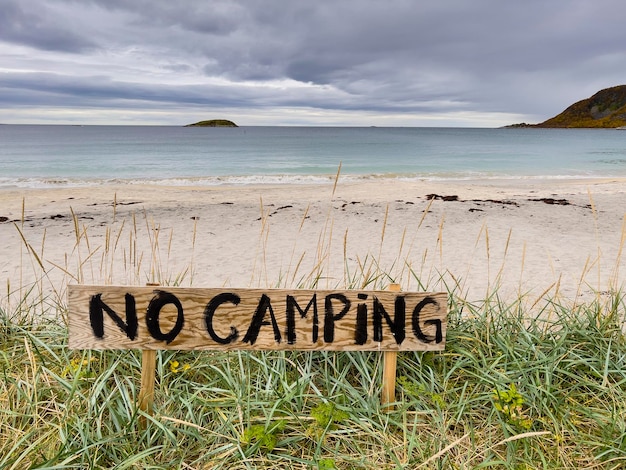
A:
(175, 367)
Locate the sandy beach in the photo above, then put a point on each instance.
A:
(519, 237)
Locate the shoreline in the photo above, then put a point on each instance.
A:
(520, 238)
(281, 180)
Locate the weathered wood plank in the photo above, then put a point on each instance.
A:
(121, 317)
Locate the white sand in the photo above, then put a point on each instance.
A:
(495, 236)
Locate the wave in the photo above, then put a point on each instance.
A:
(277, 179)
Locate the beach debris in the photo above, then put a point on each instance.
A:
(343, 206)
(114, 203)
(497, 201)
(478, 201)
(552, 201)
(130, 203)
(443, 198)
(4, 219)
(280, 208)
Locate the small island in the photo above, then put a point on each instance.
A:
(213, 123)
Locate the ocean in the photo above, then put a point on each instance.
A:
(39, 156)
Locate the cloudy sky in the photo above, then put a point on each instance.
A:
(480, 63)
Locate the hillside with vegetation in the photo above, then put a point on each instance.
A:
(605, 109)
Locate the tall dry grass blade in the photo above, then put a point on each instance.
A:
(261, 250)
(515, 437)
(135, 257)
(304, 217)
(382, 234)
(114, 250)
(297, 268)
(614, 277)
(488, 253)
(346, 272)
(522, 264)
(85, 236)
(65, 270)
(594, 212)
(76, 226)
(444, 451)
(21, 270)
(77, 245)
(153, 230)
(336, 181)
(425, 212)
(399, 255)
(583, 275)
(544, 294)
(289, 273)
(506, 250)
(29, 247)
(440, 241)
(193, 250)
(37, 268)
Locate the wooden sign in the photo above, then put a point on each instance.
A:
(115, 317)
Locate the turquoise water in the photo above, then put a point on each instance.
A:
(43, 156)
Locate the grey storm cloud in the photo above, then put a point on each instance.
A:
(526, 58)
(21, 24)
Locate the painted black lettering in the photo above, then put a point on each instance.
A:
(438, 331)
(397, 325)
(419, 334)
(291, 307)
(160, 300)
(209, 313)
(360, 332)
(96, 316)
(329, 315)
(265, 305)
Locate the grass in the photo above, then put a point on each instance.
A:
(517, 387)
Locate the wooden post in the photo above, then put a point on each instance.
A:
(390, 359)
(148, 378)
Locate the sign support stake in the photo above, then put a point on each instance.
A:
(148, 378)
(390, 360)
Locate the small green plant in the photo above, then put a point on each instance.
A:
(510, 403)
(326, 464)
(326, 417)
(418, 390)
(262, 436)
